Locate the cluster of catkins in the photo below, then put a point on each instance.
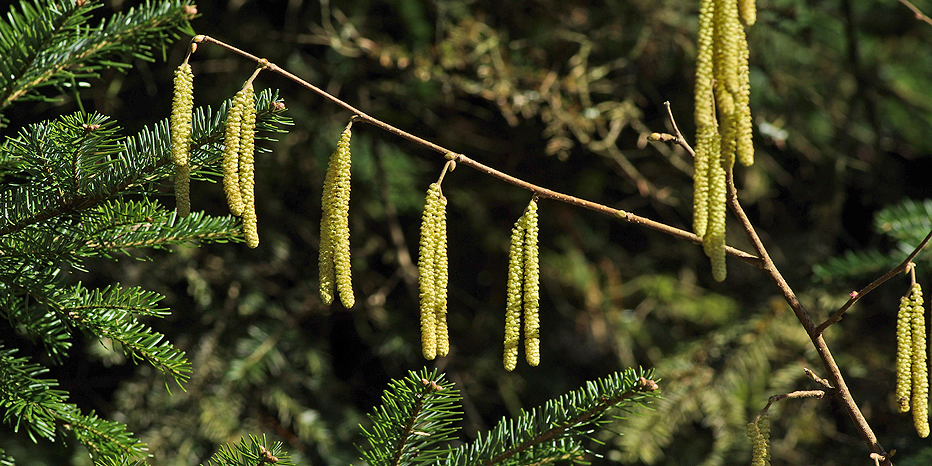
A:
(433, 275)
(912, 375)
(759, 433)
(523, 290)
(723, 117)
(238, 151)
(239, 162)
(334, 254)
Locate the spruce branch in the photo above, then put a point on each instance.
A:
(36, 405)
(48, 42)
(258, 452)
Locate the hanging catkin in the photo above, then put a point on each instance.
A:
(334, 255)
(904, 354)
(247, 159)
(920, 371)
(531, 287)
(513, 300)
(432, 275)
(231, 140)
(523, 290)
(180, 130)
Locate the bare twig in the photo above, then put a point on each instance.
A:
(919, 14)
(856, 295)
(790, 396)
(464, 160)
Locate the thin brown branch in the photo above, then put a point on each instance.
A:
(856, 295)
(464, 160)
(790, 396)
(919, 14)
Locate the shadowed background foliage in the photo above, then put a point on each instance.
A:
(561, 94)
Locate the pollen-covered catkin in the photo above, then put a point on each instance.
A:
(704, 147)
(428, 270)
(742, 116)
(705, 67)
(247, 182)
(726, 46)
(531, 287)
(713, 241)
(513, 301)
(441, 274)
(747, 11)
(180, 130)
(334, 258)
(904, 354)
(231, 139)
(920, 369)
(763, 425)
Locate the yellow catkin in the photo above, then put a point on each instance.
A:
(757, 454)
(920, 371)
(713, 241)
(231, 139)
(247, 182)
(743, 124)
(427, 268)
(531, 287)
(747, 11)
(441, 274)
(763, 425)
(726, 45)
(705, 66)
(704, 147)
(904, 354)
(180, 130)
(334, 257)
(513, 301)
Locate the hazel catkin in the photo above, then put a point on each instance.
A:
(231, 141)
(247, 182)
(904, 354)
(432, 275)
(334, 258)
(920, 371)
(513, 300)
(180, 130)
(531, 287)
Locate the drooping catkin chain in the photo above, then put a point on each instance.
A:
(433, 274)
(759, 434)
(723, 118)
(334, 254)
(180, 130)
(523, 290)
(247, 183)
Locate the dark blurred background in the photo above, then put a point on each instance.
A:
(561, 94)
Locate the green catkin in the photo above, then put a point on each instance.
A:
(231, 141)
(334, 259)
(904, 354)
(427, 271)
(747, 12)
(704, 66)
(743, 123)
(441, 273)
(247, 168)
(531, 287)
(713, 241)
(726, 46)
(513, 301)
(180, 130)
(920, 372)
(704, 147)
(763, 425)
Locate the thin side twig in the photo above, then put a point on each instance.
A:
(856, 295)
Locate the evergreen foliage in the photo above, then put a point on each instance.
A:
(75, 188)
